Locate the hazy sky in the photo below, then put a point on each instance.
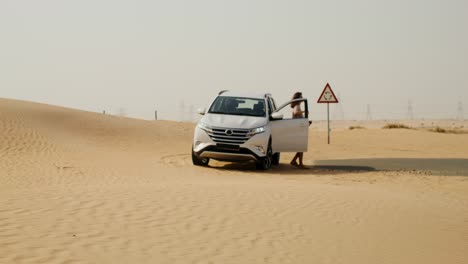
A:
(146, 55)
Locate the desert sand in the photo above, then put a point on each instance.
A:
(83, 187)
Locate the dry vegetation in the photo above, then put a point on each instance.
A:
(438, 129)
(396, 126)
(356, 127)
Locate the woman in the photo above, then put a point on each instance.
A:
(297, 113)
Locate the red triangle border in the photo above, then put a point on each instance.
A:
(332, 102)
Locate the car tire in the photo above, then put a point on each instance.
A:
(276, 159)
(265, 162)
(199, 162)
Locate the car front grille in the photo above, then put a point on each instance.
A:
(229, 136)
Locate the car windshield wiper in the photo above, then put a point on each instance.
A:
(218, 112)
(238, 114)
(245, 114)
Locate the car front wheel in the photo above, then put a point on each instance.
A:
(265, 162)
(199, 161)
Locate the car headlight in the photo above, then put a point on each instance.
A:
(205, 127)
(256, 131)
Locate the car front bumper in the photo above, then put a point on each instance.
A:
(252, 150)
(224, 156)
(217, 153)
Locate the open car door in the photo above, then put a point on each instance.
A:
(290, 134)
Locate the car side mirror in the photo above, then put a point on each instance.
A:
(277, 116)
(201, 111)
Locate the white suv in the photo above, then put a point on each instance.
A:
(248, 127)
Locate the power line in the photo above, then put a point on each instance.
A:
(460, 111)
(409, 113)
(369, 113)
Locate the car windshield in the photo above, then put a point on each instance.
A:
(228, 105)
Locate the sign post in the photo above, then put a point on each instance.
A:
(328, 122)
(328, 97)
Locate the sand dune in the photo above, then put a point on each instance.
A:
(82, 187)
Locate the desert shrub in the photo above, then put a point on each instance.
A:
(356, 127)
(438, 129)
(396, 125)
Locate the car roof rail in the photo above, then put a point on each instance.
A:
(223, 91)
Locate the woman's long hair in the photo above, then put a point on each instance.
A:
(296, 95)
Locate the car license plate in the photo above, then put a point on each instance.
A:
(227, 146)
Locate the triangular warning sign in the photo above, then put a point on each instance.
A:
(327, 96)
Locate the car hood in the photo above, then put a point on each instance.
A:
(234, 121)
